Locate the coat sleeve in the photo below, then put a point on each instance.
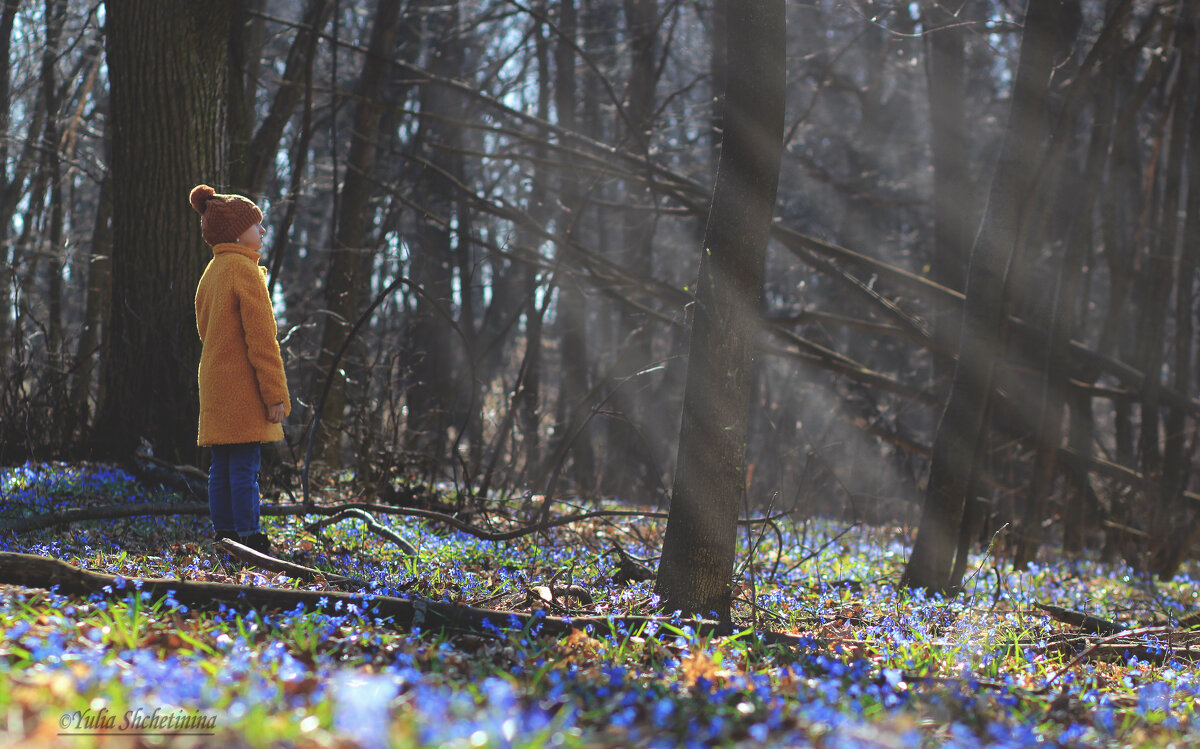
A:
(258, 322)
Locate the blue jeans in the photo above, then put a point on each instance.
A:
(233, 488)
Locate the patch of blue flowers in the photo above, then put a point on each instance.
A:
(39, 487)
(870, 665)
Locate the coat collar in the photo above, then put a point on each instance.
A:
(235, 248)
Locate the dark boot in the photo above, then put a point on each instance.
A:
(221, 535)
(259, 542)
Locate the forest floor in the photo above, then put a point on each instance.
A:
(858, 662)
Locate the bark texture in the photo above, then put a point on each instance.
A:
(696, 570)
(166, 65)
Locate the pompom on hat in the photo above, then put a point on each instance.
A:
(223, 218)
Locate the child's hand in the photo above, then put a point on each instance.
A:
(275, 413)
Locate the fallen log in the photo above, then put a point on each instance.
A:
(56, 575)
(1086, 622)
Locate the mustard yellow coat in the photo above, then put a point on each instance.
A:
(241, 370)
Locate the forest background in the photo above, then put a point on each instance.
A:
(485, 221)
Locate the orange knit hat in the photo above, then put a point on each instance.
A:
(223, 218)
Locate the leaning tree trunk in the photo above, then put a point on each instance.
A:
(931, 564)
(246, 40)
(166, 68)
(250, 173)
(696, 570)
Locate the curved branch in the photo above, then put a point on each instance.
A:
(372, 525)
(151, 509)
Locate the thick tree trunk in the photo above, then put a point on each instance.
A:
(696, 570)
(931, 564)
(166, 66)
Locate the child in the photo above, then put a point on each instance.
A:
(243, 389)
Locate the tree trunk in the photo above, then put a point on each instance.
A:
(529, 389)
(1177, 527)
(1117, 218)
(166, 66)
(251, 173)
(1077, 521)
(96, 311)
(430, 388)
(8, 13)
(348, 278)
(55, 15)
(696, 569)
(931, 564)
(571, 320)
(245, 52)
(1152, 289)
(627, 444)
(296, 86)
(1077, 196)
(953, 206)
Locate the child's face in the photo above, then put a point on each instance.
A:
(253, 237)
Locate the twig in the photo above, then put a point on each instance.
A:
(986, 554)
(187, 470)
(823, 546)
(757, 607)
(272, 564)
(1099, 644)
